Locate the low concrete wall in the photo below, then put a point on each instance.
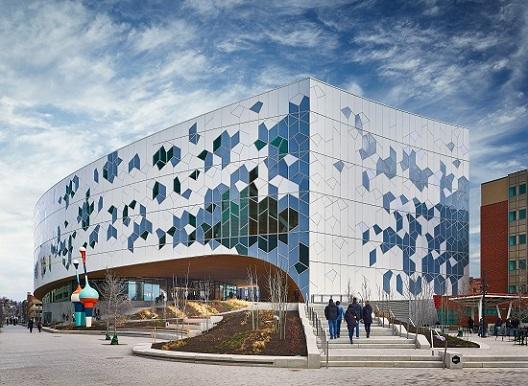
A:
(314, 356)
(161, 335)
(269, 306)
(421, 340)
(144, 349)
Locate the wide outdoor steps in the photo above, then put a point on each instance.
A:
(382, 350)
(374, 342)
(504, 361)
(387, 358)
(404, 363)
(374, 331)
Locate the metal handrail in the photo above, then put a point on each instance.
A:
(319, 330)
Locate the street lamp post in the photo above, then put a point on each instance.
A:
(484, 291)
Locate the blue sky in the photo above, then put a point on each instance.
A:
(79, 79)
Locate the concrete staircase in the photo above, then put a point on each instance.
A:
(500, 361)
(382, 349)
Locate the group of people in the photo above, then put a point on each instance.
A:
(31, 324)
(335, 314)
(508, 327)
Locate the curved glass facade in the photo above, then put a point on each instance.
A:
(332, 188)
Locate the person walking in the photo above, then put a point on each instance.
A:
(39, 325)
(30, 325)
(508, 326)
(367, 317)
(471, 324)
(331, 316)
(356, 308)
(498, 324)
(482, 326)
(340, 316)
(351, 321)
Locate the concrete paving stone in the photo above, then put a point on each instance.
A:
(52, 359)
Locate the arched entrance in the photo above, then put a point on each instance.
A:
(220, 268)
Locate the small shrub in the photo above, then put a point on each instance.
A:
(173, 312)
(201, 309)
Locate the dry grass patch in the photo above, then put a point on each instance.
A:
(233, 335)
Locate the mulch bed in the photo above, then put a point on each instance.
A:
(234, 335)
(452, 341)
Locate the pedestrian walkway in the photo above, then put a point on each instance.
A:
(50, 359)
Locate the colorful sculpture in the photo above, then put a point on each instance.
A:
(88, 296)
(77, 305)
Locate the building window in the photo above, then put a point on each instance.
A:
(522, 238)
(512, 216)
(512, 289)
(512, 240)
(512, 191)
(522, 264)
(512, 265)
(522, 214)
(522, 188)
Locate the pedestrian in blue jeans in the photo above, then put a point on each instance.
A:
(340, 316)
(357, 310)
(331, 316)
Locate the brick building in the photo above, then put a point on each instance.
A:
(503, 233)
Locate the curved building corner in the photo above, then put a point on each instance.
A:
(331, 188)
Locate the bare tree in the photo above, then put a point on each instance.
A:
(205, 293)
(114, 292)
(350, 293)
(365, 291)
(278, 289)
(520, 310)
(2, 301)
(253, 285)
(421, 306)
(180, 297)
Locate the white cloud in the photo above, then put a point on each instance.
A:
(74, 88)
(177, 33)
(353, 87)
(212, 7)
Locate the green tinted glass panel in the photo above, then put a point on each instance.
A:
(522, 239)
(522, 188)
(512, 265)
(512, 216)
(512, 240)
(522, 214)
(522, 264)
(512, 191)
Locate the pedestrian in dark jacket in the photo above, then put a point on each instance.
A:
(356, 308)
(39, 325)
(351, 321)
(482, 327)
(367, 317)
(471, 324)
(331, 315)
(30, 325)
(340, 316)
(498, 324)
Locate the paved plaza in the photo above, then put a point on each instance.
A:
(53, 359)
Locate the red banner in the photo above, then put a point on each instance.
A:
(437, 301)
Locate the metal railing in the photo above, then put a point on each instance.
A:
(320, 331)
(324, 298)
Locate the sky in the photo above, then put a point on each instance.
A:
(80, 79)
